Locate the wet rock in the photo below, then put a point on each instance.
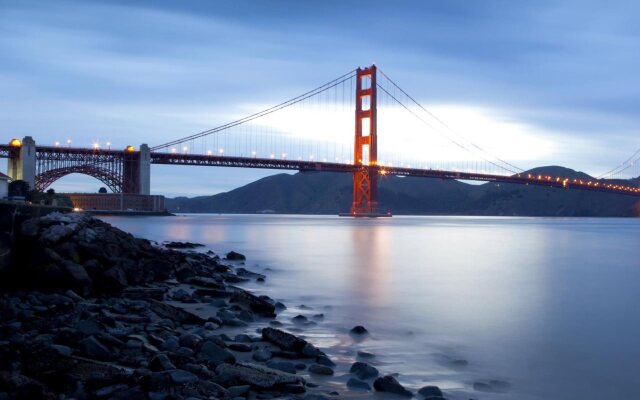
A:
(262, 355)
(389, 384)
(190, 340)
(365, 354)
(143, 293)
(492, 386)
(79, 279)
(94, 349)
(232, 255)
(324, 360)
(320, 369)
(363, 370)
(239, 391)
(293, 389)
(161, 363)
(175, 313)
(299, 319)
(430, 391)
(280, 306)
(358, 385)
(284, 366)
(214, 354)
(318, 316)
(180, 376)
(284, 340)
(241, 347)
(182, 245)
(359, 330)
(255, 375)
(256, 304)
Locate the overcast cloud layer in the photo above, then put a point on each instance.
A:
(158, 70)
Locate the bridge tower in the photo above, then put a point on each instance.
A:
(365, 178)
(22, 165)
(137, 170)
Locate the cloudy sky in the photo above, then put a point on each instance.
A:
(553, 82)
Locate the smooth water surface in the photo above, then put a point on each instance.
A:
(550, 306)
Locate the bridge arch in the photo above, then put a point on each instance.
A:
(111, 179)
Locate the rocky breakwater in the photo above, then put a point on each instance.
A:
(89, 311)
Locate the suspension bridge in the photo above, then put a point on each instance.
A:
(361, 123)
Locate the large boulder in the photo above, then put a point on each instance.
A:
(389, 384)
(255, 375)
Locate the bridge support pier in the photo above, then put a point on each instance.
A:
(23, 165)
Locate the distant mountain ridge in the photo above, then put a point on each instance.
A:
(330, 193)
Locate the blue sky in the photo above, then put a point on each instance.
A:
(565, 73)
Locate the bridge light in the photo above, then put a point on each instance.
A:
(209, 152)
(129, 149)
(109, 145)
(15, 142)
(383, 172)
(272, 156)
(221, 151)
(173, 150)
(68, 142)
(253, 153)
(185, 149)
(284, 155)
(96, 146)
(311, 157)
(57, 144)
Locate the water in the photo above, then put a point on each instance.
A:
(550, 306)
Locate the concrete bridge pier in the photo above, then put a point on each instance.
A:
(23, 166)
(137, 171)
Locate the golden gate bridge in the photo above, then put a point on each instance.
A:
(361, 123)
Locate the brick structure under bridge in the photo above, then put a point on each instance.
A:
(117, 202)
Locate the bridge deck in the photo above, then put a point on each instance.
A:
(87, 155)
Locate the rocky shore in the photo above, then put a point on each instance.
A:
(87, 311)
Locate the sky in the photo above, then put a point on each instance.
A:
(536, 82)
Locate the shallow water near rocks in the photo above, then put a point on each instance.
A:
(485, 308)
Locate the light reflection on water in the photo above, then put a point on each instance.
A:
(548, 305)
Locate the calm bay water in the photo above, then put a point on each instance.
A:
(550, 306)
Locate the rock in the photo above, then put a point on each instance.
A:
(310, 350)
(255, 303)
(175, 313)
(430, 391)
(318, 316)
(365, 354)
(389, 384)
(232, 255)
(355, 384)
(190, 340)
(94, 349)
(320, 369)
(214, 354)
(87, 327)
(284, 340)
(113, 280)
(143, 293)
(359, 330)
(239, 391)
(280, 306)
(181, 376)
(363, 370)
(284, 366)
(241, 347)
(78, 277)
(255, 375)
(182, 245)
(492, 386)
(161, 363)
(299, 319)
(262, 355)
(324, 360)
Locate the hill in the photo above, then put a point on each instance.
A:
(330, 193)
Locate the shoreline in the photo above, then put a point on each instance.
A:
(105, 326)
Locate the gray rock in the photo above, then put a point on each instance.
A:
(363, 370)
(359, 330)
(262, 355)
(89, 326)
(256, 304)
(214, 354)
(365, 354)
(284, 366)
(241, 347)
(175, 313)
(243, 338)
(255, 375)
(232, 255)
(430, 391)
(356, 384)
(181, 376)
(310, 350)
(320, 369)
(299, 319)
(190, 340)
(389, 384)
(79, 279)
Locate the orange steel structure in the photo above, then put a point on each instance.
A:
(365, 176)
